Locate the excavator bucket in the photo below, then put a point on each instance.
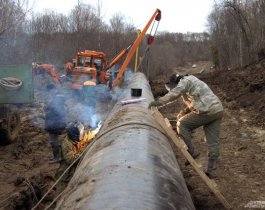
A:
(45, 74)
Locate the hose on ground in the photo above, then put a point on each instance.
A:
(59, 179)
(10, 83)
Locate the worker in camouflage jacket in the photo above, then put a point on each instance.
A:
(203, 109)
(73, 145)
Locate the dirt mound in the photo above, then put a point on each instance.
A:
(242, 138)
(25, 174)
(243, 89)
(195, 68)
(32, 189)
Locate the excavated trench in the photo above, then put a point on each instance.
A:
(130, 165)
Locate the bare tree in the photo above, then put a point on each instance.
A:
(119, 30)
(12, 21)
(237, 32)
(55, 38)
(12, 14)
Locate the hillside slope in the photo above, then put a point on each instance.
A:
(241, 165)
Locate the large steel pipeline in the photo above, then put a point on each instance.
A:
(130, 165)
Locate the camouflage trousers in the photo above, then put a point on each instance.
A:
(211, 125)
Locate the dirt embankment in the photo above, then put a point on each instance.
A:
(243, 89)
(25, 174)
(241, 166)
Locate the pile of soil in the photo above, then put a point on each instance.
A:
(245, 87)
(241, 166)
(25, 174)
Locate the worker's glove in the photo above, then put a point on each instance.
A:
(154, 104)
(180, 114)
(183, 113)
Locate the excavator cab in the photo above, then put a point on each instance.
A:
(89, 67)
(87, 74)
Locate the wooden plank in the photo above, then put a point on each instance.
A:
(183, 149)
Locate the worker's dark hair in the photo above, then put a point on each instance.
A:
(50, 87)
(175, 78)
(73, 131)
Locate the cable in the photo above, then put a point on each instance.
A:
(55, 199)
(77, 159)
(59, 179)
(10, 83)
(166, 104)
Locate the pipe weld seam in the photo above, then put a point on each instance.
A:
(131, 123)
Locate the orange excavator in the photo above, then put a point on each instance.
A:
(90, 66)
(42, 70)
(88, 69)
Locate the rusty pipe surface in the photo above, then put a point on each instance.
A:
(130, 165)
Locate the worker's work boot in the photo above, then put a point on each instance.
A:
(57, 157)
(210, 172)
(194, 154)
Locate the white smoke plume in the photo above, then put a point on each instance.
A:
(78, 105)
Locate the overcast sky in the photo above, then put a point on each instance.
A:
(177, 15)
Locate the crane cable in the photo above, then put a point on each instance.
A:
(158, 21)
(146, 52)
(10, 83)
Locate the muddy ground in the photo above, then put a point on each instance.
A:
(241, 167)
(25, 174)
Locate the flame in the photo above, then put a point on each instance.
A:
(88, 136)
(92, 133)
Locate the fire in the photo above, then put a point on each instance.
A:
(91, 133)
(88, 136)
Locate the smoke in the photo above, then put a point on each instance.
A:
(78, 111)
(89, 105)
(118, 91)
(128, 74)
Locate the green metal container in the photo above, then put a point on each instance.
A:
(23, 94)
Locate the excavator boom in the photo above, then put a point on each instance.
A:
(118, 57)
(156, 16)
(115, 61)
(47, 69)
(86, 66)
